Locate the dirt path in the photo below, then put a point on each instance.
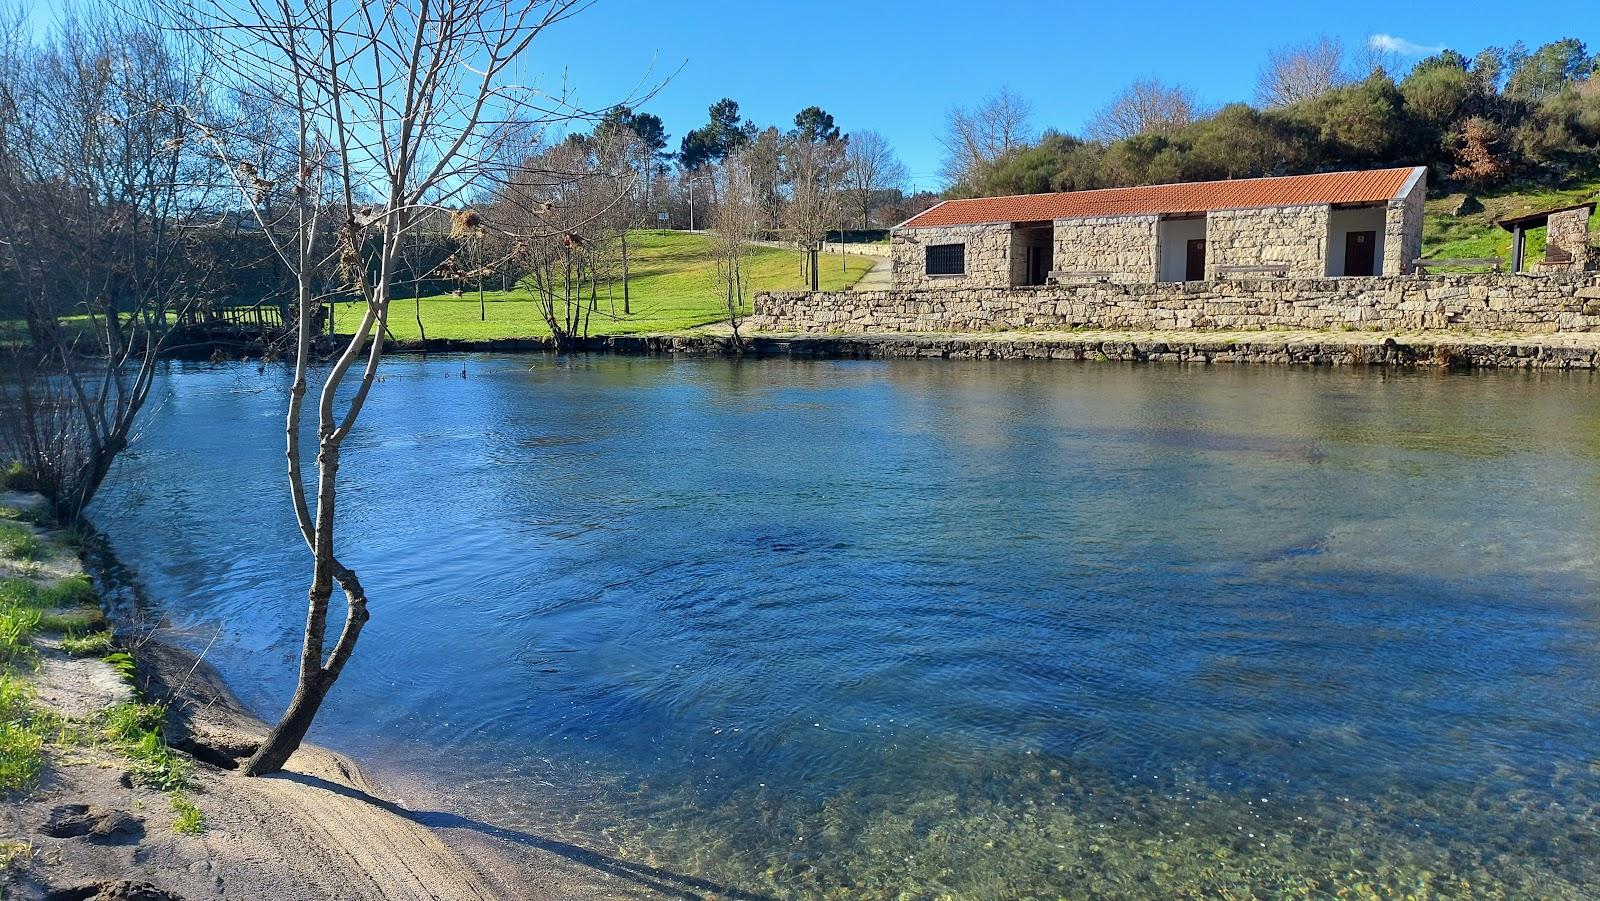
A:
(879, 278)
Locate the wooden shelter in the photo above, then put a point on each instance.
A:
(1567, 249)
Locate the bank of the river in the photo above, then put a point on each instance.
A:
(117, 755)
(1303, 348)
(1316, 348)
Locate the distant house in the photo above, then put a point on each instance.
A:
(1332, 224)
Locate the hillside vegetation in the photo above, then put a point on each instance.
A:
(673, 286)
(1502, 118)
(1472, 235)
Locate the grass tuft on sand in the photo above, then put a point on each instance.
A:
(93, 644)
(135, 730)
(187, 819)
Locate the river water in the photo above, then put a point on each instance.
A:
(934, 628)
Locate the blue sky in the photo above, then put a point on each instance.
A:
(898, 66)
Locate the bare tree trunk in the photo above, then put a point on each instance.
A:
(422, 80)
(627, 307)
(416, 302)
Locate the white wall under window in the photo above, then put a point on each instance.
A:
(1355, 219)
(1173, 238)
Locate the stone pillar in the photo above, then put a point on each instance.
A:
(1402, 230)
(1566, 246)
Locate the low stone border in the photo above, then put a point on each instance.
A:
(1299, 348)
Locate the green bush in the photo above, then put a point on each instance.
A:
(77, 535)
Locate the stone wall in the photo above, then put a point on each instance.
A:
(1295, 237)
(1403, 218)
(1123, 246)
(1560, 302)
(988, 256)
(1284, 348)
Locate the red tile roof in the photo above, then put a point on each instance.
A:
(1371, 186)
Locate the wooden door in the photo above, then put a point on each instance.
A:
(1360, 253)
(1194, 269)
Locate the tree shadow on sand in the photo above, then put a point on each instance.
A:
(675, 885)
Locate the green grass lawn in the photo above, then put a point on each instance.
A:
(1475, 235)
(673, 286)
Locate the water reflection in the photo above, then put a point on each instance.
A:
(965, 629)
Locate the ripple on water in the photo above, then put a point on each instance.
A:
(832, 629)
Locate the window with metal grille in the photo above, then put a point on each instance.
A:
(947, 259)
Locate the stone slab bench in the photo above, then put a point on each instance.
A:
(1080, 275)
(1270, 270)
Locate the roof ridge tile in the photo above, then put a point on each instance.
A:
(1354, 186)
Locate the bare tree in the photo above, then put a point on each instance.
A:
(406, 103)
(98, 193)
(815, 173)
(736, 222)
(978, 136)
(1145, 107)
(562, 208)
(872, 168)
(1378, 53)
(1300, 72)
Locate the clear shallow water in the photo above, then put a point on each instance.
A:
(950, 628)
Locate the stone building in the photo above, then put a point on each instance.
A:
(1331, 224)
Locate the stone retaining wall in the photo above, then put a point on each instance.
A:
(1560, 302)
